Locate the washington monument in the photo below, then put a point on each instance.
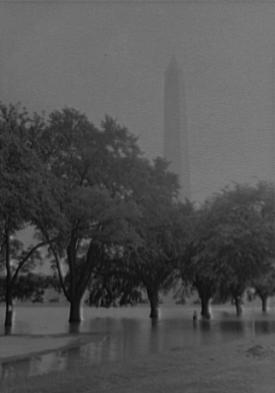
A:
(175, 127)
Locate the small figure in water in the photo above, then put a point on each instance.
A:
(195, 316)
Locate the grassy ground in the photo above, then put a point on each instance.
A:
(238, 367)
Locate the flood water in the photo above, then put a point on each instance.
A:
(120, 334)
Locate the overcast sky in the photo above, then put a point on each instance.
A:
(106, 57)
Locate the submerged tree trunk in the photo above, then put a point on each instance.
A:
(264, 299)
(79, 276)
(153, 297)
(205, 307)
(205, 293)
(74, 327)
(238, 305)
(9, 308)
(8, 294)
(75, 311)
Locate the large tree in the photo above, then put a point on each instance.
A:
(246, 237)
(234, 241)
(197, 266)
(91, 167)
(21, 194)
(161, 228)
(264, 285)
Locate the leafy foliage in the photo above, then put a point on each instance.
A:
(31, 286)
(91, 168)
(233, 239)
(22, 183)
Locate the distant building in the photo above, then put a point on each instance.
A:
(175, 127)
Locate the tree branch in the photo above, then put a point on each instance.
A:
(60, 275)
(57, 261)
(24, 260)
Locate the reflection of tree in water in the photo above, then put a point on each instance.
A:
(154, 338)
(74, 328)
(131, 338)
(42, 364)
(103, 349)
(154, 323)
(35, 365)
(121, 338)
(264, 326)
(203, 331)
(8, 330)
(209, 331)
(12, 369)
(205, 325)
(246, 327)
(71, 357)
(233, 328)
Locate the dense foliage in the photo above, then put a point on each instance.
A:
(111, 221)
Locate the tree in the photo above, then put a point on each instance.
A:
(247, 242)
(264, 286)
(90, 167)
(161, 231)
(21, 184)
(196, 265)
(234, 241)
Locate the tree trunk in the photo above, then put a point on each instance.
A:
(205, 307)
(74, 328)
(75, 311)
(8, 294)
(264, 299)
(9, 308)
(153, 297)
(238, 305)
(205, 292)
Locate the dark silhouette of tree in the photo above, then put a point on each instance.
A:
(247, 238)
(265, 287)
(232, 242)
(161, 228)
(196, 266)
(91, 167)
(21, 185)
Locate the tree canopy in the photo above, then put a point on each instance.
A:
(233, 240)
(112, 221)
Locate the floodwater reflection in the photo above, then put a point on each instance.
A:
(126, 333)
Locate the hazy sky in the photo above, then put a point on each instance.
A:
(110, 57)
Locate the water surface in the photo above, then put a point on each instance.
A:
(126, 333)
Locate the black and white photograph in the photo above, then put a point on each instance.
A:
(137, 196)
